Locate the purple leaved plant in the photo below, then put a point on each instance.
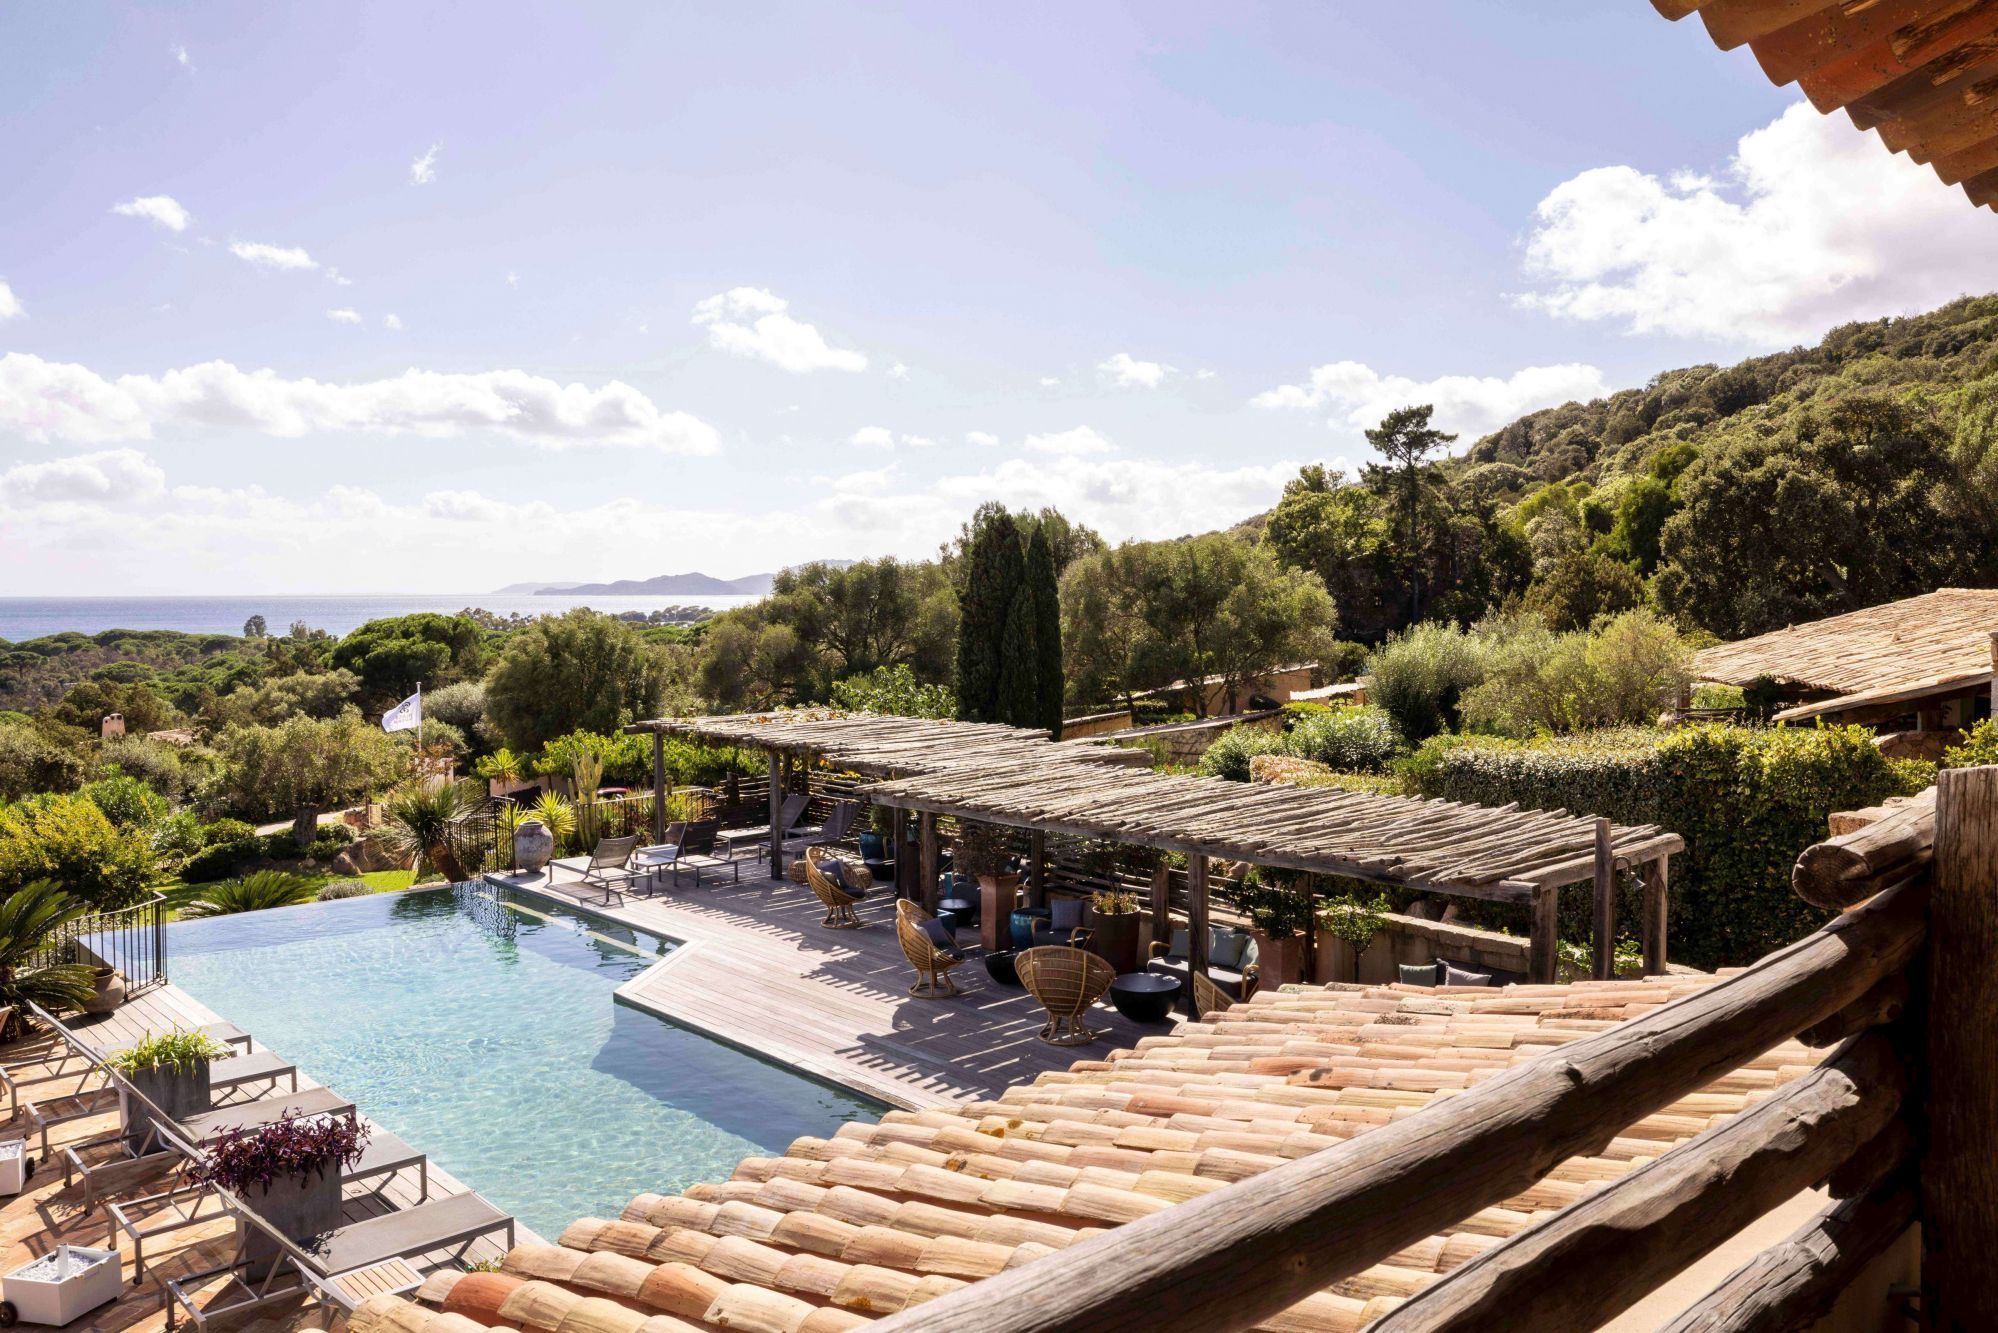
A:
(285, 1149)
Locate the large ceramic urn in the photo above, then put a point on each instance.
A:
(533, 844)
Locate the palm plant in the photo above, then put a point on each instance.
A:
(420, 820)
(556, 815)
(252, 893)
(28, 916)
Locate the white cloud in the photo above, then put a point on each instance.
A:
(1356, 396)
(984, 439)
(512, 278)
(334, 276)
(344, 315)
(10, 304)
(1203, 374)
(161, 209)
(1127, 372)
(749, 321)
(272, 256)
(53, 400)
(1808, 225)
(898, 371)
(872, 437)
(122, 473)
(1050, 381)
(391, 321)
(1075, 441)
(423, 170)
(1121, 498)
(179, 53)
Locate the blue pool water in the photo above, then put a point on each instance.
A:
(480, 1026)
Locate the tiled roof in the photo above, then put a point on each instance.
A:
(1924, 73)
(882, 1216)
(1938, 641)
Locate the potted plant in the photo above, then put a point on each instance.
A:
(980, 852)
(1346, 925)
(170, 1069)
(874, 838)
(1113, 923)
(1279, 912)
(288, 1174)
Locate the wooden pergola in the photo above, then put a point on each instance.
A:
(1021, 779)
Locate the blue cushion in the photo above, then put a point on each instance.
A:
(940, 935)
(1225, 949)
(854, 879)
(1428, 974)
(1067, 913)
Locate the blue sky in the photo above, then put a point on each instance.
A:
(388, 297)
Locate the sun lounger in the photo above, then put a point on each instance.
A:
(609, 870)
(212, 1125)
(788, 816)
(697, 853)
(76, 1045)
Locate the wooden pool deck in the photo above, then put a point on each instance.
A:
(756, 970)
(47, 1214)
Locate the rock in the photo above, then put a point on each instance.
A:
(368, 855)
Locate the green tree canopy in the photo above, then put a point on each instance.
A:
(305, 764)
(391, 655)
(579, 671)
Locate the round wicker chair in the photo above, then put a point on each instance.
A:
(932, 962)
(1066, 981)
(827, 877)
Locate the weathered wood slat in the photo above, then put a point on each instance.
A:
(1637, 1233)
(1238, 1255)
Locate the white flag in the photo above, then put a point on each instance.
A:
(405, 716)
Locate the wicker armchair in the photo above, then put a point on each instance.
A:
(829, 878)
(1066, 981)
(924, 943)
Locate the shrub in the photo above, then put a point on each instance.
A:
(30, 762)
(894, 689)
(624, 757)
(226, 830)
(462, 705)
(1419, 678)
(126, 801)
(220, 860)
(1622, 673)
(1746, 800)
(345, 888)
(68, 839)
(1352, 740)
(1979, 747)
(1228, 757)
(252, 893)
(152, 762)
(176, 838)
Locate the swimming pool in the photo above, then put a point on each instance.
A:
(479, 1024)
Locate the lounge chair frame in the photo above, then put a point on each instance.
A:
(609, 870)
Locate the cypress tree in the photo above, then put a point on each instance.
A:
(1019, 665)
(1043, 592)
(994, 570)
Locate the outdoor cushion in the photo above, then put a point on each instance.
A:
(940, 934)
(1428, 974)
(1457, 976)
(1067, 913)
(853, 879)
(1182, 943)
(1225, 949)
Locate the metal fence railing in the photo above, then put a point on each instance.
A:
(131, 939)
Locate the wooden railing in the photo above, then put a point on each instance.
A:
(1888, 1155)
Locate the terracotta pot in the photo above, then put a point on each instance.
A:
(1334, 959)
(533, 845)
(109, 993)
(1278, 961)
(998, 895)
(1114, 939)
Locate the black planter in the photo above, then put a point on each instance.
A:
(178, 1095)
(999, 966)
(301, 1207)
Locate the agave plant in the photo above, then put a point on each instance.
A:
(252, 893)
(419, 824)
(28, 916)
(556, 815)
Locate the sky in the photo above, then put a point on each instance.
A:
(405, 297)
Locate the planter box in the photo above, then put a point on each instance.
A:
(1114, 938)
(1278, 962)
(63, 1286)
(178, 1095)
(299, 1207)
(998, 895)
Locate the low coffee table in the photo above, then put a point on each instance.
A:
(1144, 997)
(957, 913)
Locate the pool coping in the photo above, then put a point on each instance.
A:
(884, 1096)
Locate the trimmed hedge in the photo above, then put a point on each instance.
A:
(1747, 800)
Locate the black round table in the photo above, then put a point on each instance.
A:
(957, 912)
(1144, 997)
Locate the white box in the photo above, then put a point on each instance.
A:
(63, 1285)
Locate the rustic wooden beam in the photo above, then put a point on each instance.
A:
(1603, 963)
(1838, 872)
(1161, 903)
(1877, 1008)
(928, 862)
(1233, 1258)
(1959, 1170)
(1638, 1232)
(1790, 1287)
(905, 864)
(1037, 855)
(777, 866)
(1196, 925)
(1544, 957)
(658, 787)
(1657, 911)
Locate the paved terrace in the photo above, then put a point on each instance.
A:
(758, 971)
(46, 1214)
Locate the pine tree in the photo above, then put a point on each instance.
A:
(1043, 593)
(995, 569)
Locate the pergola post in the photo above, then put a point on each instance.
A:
(1657, 886)
(1162, 901)
(928, 860)
(1544, 953)
(1196, 924)
(658, 787)
(1959, 1166)
(1037, 867)
(904, 863)
(1604, 963)
(776, 815)
(1994, 675)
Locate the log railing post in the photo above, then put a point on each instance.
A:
(1604, 963)
(1657, 899)
(1959, 1170)
(776, 815)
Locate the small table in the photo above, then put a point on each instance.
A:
(1144, 997)
(957, 913)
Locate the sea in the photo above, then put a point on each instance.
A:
(33, 617)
